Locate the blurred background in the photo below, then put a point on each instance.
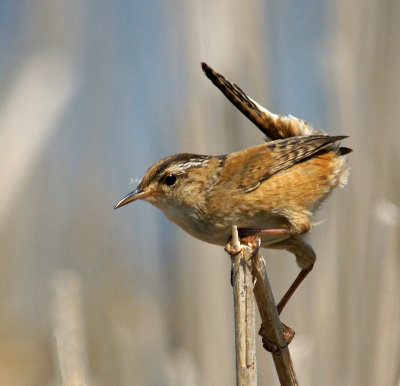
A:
(92, 93)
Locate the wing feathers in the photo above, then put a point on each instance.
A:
(247, 169)
(288, 152)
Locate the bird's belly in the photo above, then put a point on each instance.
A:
(218, 231)
(208, 231)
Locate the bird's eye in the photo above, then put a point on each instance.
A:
(170, 179)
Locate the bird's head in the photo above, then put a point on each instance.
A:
(176, 180)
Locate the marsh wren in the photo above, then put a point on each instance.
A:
(269, 190)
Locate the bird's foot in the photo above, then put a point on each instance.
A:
(232, 249)
(253, 241)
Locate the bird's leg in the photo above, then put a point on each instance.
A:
(305, 257)
(243, 232)
(288, 333)
(300, 277)
(253, 237)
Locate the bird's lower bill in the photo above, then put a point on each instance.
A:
(137, 194)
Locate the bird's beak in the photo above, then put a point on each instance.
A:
(137, 194)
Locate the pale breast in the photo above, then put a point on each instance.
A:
(218, 230)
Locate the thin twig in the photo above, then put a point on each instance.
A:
(245, 314)
(271, 322)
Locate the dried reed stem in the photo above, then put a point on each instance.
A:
(248, 273)
(271, 322)
(245, 314)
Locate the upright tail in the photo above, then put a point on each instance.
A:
(277, 127)
(272, 125)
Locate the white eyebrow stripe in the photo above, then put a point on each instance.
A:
(190, 164)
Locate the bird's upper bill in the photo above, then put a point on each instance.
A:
(137, 194)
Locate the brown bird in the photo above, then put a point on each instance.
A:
(269, 190)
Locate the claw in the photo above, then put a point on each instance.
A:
(229, 248)
(256, 248)
(254, 242)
